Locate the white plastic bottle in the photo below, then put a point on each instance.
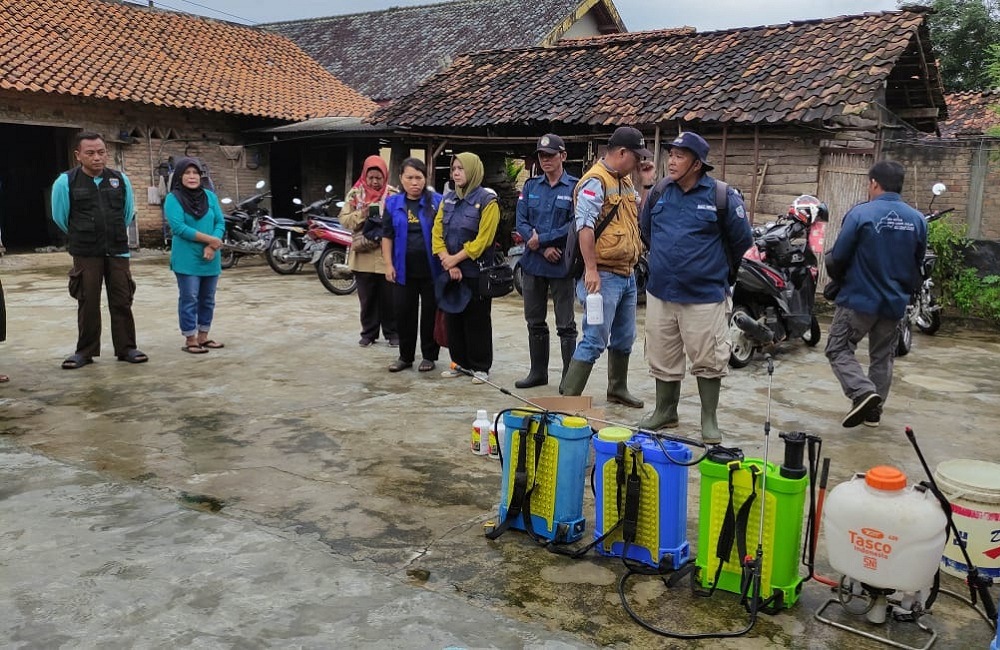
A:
(481, 433)
(496, 438)
(595, 309)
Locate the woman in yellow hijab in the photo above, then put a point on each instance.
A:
(464, 229)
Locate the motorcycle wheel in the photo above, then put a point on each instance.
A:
(905, 339)
(811, 338)
(275, 255)
(340, 284)
(742, 346)
(229, 258)
(518, 277)
(929, 320)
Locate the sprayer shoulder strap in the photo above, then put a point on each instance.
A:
(743, 516)
(520, 500)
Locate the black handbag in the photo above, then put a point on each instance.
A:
(496, 277)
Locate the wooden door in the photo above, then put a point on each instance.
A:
(843, 183)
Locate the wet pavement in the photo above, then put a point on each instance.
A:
(288, 491)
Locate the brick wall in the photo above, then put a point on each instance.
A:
(960, 165)
(188, 132)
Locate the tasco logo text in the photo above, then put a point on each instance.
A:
(864, 543)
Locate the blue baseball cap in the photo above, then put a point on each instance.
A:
(695, 144)
(453, 296)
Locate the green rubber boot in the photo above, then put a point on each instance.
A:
(664, 416)
(618, 381)
(576, 378)
(708, 391)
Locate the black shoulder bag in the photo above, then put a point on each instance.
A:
(496, 277)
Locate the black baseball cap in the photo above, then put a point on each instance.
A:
(550, 143)
(630, 138)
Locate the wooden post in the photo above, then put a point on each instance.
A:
(725, 137)
(756, 162)
(656, 150)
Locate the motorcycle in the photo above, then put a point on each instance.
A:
(775, 290)
(923, 311)
(331, 259)
(514, 255)
(248, 228)
(287, 251)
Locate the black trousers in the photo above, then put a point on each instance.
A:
(415, 303)
(537, 289)
(85, 280)
(470, 333)
(375, 296)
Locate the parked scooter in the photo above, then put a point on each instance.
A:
(287, 251)
(775, 291)
(514, 255)
(331, 259)
(248, 228)
(924, 312)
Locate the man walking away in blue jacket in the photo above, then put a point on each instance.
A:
(876, 259)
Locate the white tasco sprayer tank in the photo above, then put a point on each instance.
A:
(883, 534)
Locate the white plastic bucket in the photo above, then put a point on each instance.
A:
(973, 487)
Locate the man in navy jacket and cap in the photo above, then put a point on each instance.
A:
(693, 247)
(544, 213)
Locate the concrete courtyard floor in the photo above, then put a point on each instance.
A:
(287, 491)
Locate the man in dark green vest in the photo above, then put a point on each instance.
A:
(94, 205)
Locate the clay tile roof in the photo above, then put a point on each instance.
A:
(109, 50)
(971, 113)
(804, 71)
(386, 54)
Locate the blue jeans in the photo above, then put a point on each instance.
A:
(618, 330)
(196, 304)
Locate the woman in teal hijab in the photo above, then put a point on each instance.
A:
(464, 229)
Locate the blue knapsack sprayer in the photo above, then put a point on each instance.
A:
(640, 489)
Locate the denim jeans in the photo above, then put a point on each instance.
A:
(196, 303)
(618, 330)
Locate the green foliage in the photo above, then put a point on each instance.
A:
(976, 296)
(962, 33)
(960, 286)
(948, 241)
(512, 168)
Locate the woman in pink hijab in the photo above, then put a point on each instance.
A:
(362, 213)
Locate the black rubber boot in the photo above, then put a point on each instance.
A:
(618, 381)
(664, 416)
(576, 378)
(538, 349)
(708, 391)
(567, 346)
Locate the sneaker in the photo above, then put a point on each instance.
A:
(365, 342)
(860, 408)
(451, 374)
(480, 377)
(873, 419)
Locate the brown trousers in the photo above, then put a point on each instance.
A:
(85, 279)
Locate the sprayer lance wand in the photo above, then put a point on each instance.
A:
(978, 585)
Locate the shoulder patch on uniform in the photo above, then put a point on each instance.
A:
(740, 212)
(113, 182)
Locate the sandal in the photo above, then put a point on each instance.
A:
(212, 345)
(399, 364)
(194, 349)
(426, 366)
(134, 356)
(75, 361)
